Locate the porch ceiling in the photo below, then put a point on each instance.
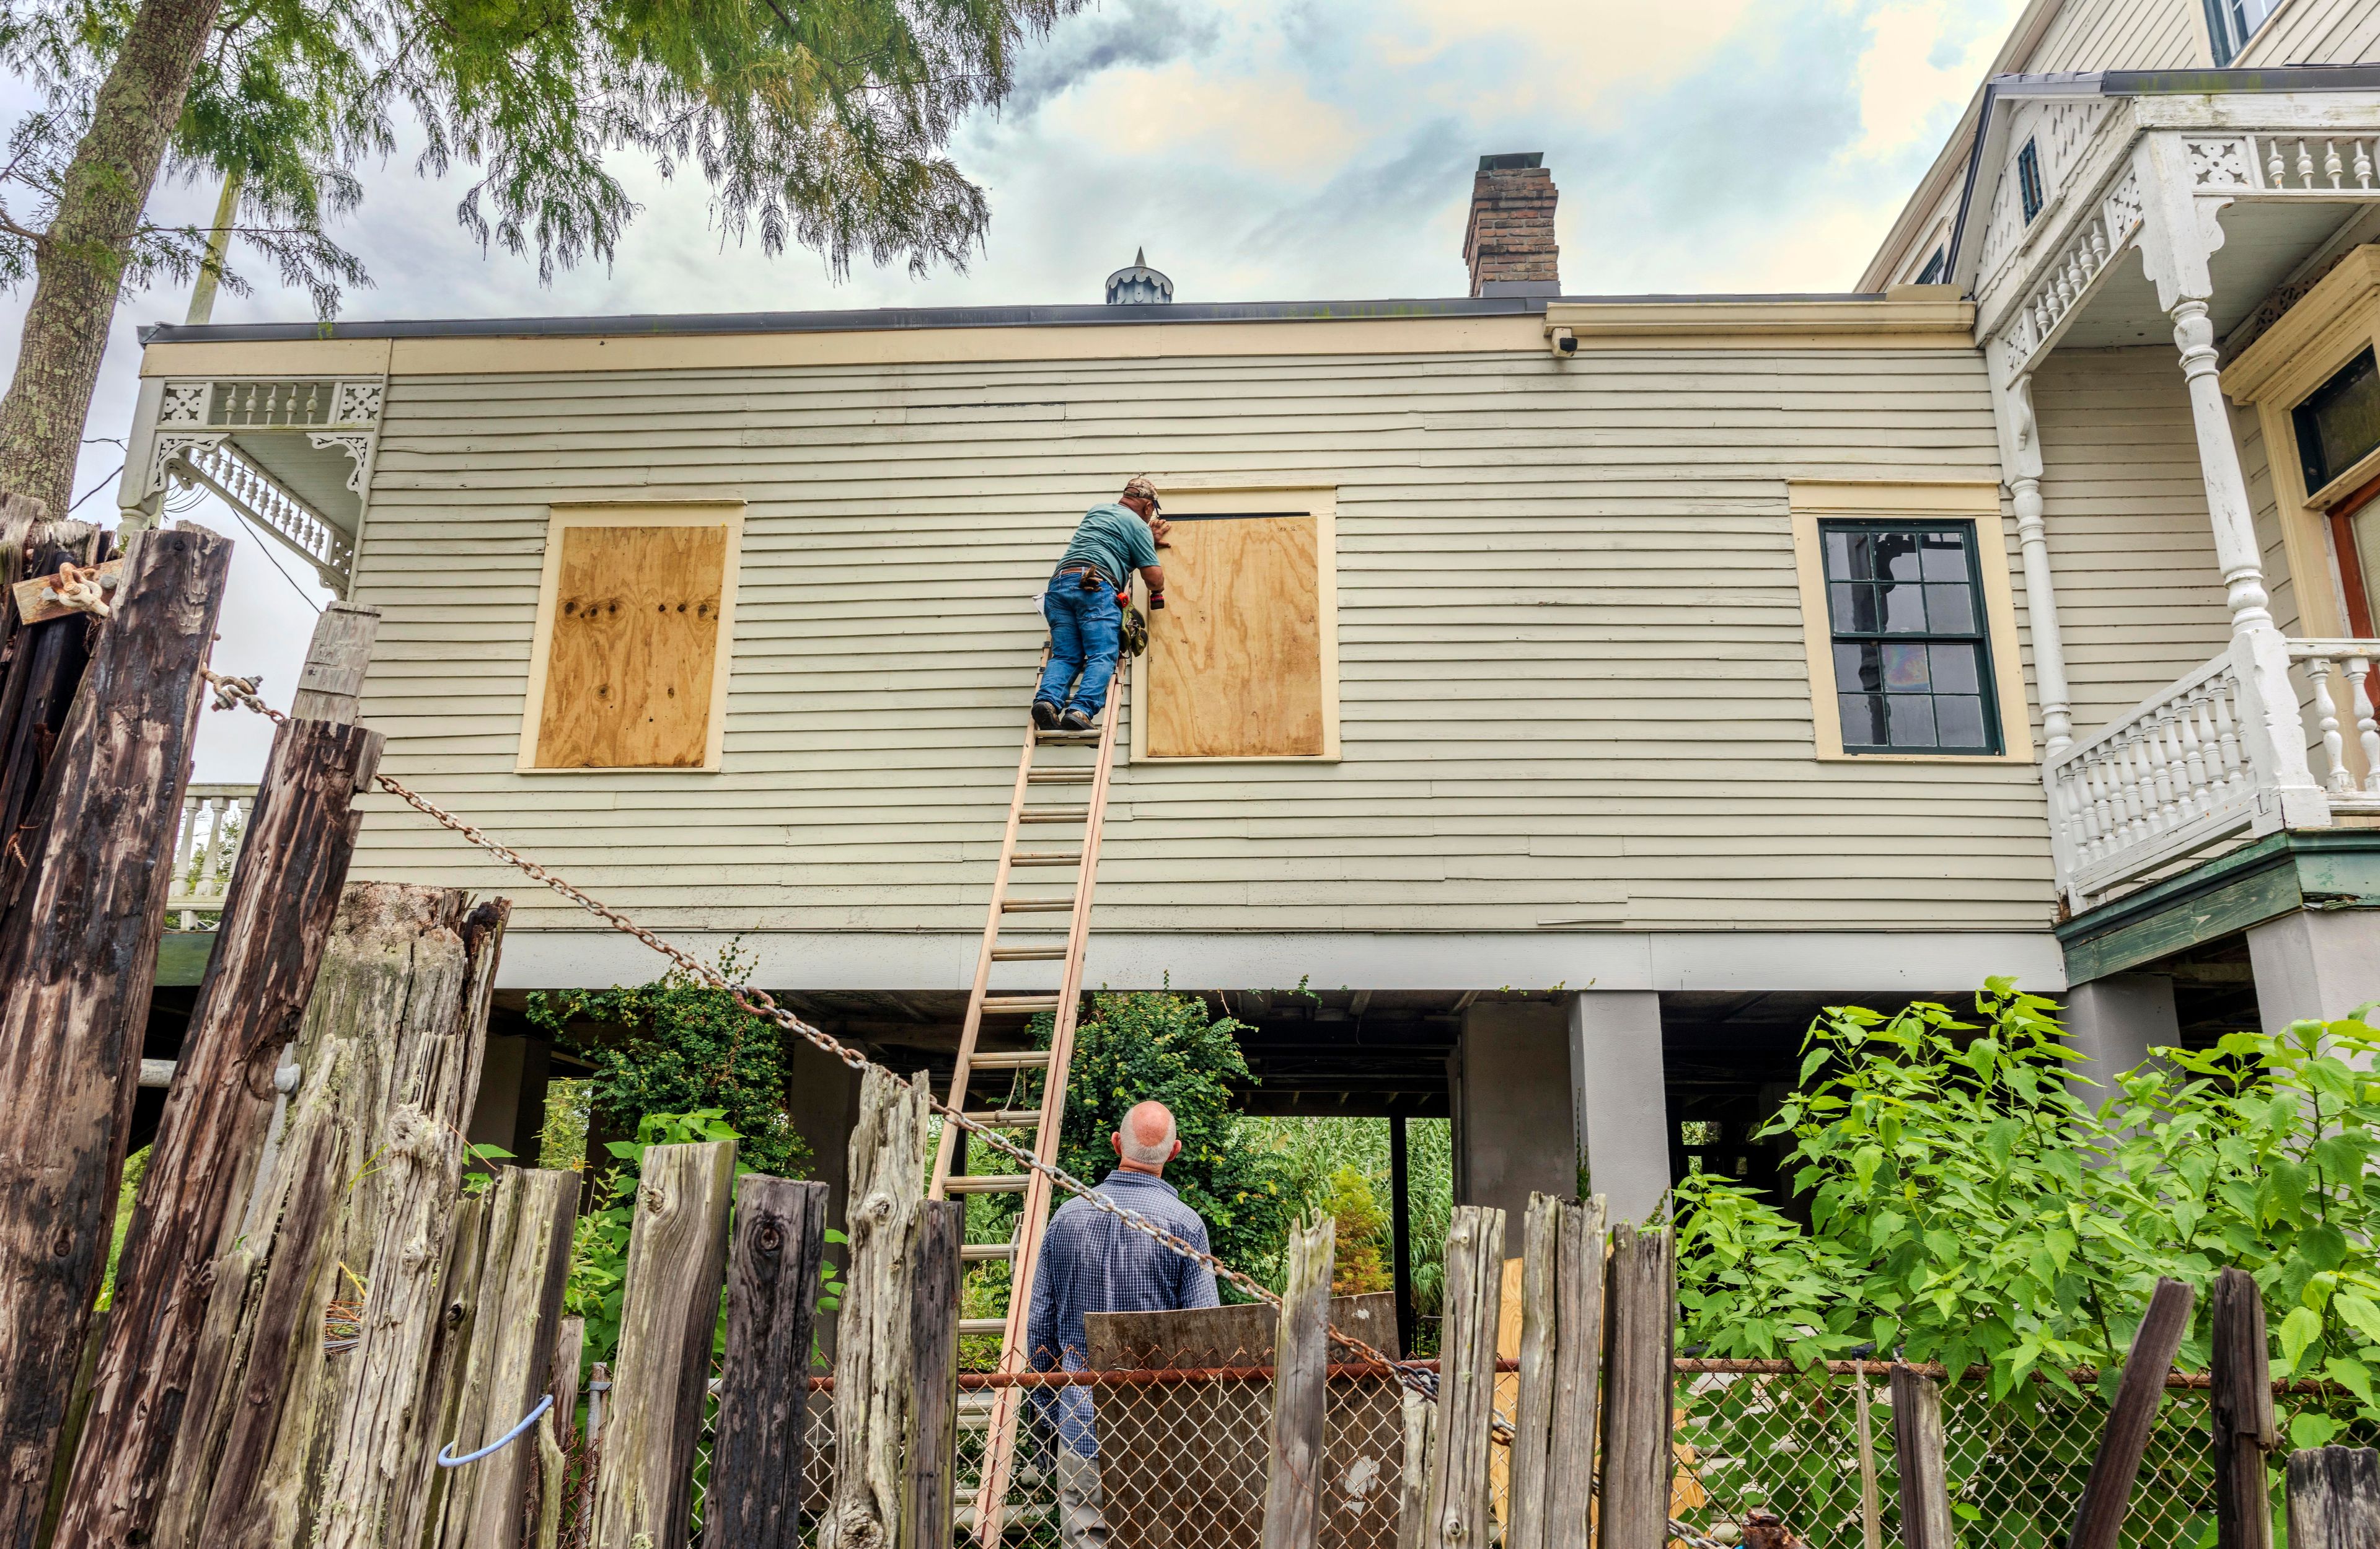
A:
(316, 475)
(2264, 243)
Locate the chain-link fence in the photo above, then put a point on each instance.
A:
(1176, 1459)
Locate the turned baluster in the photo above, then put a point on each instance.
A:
(2367, 730)
(183, 837)
(2363, 164)
(2163, 814)
(2334, 746)
(2137, 808)
(2193, 756)
(2305, 163)
(2274, 177)
(2084, 800)
(2331, 166)
(2227, 731)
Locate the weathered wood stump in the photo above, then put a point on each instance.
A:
(755, 1501)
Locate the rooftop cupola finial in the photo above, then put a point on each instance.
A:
(1139, 284)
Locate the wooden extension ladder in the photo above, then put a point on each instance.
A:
(1012, 915)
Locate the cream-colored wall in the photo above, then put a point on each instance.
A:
(1571, 664)
(2139, 593)
(2121, 35)
(2317, 32)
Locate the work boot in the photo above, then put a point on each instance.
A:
(1045, 715)
(1075, 719)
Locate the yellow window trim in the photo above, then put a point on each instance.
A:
(1193, 498)
(632, 513)
(1810, 502)
(2328, 327)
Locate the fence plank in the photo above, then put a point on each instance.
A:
(2334, 1499)
(1577, 1373)
(1871, 1497)
(2108, 1494)
(1412, 1483)
(930, 1481)
(1293, 1510)
(755, 1499)
(1533, 1409)
(531, 1213)
(677, 1254)
(444, 1388)
(1637, 1461)
(1918, 1458)
(871, 1374)
(275, 926)
(1457, 1514)
(2240, 1407)
(77, 953)
(375, 1487)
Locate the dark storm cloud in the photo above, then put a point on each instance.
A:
(1130, 32)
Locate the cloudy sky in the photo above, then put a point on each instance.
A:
(1258, 149)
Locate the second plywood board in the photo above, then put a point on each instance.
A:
(635, 643)
(1235, 667)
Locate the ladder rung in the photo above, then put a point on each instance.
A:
(1037, 905)
(983, 1326)
(1009, 1060)
(1006, 1118)
(1046, 857)
(1067, 739)
(987, 1184)
(1018, 1003)
(1028, 954)
(1054, 815)
(1059, 777)
(978, 1252)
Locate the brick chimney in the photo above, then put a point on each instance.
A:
(1510, 242)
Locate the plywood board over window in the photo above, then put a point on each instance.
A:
(1244, 658)
(635, 626)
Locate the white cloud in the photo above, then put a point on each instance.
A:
(1923, 56)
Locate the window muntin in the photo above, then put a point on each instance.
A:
(2028, 179)
(2339, 424)
(1905, 612)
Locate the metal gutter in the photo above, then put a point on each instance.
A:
(897, 319)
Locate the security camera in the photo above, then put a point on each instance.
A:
(1561, 342)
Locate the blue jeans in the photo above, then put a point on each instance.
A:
(1086, 633)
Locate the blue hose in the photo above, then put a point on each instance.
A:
(500, 1443)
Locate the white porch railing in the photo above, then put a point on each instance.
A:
(2182, 771)
(206, 846)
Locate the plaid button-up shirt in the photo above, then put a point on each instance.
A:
(1093, 1262)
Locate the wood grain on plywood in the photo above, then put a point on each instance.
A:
(1235, 657)
(636, 637)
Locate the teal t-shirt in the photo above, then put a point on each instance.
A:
(1114, 539)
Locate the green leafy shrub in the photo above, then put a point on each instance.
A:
(1966, 1206)
(682, 1045)
(1360, 1234)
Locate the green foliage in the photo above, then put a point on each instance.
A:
(1360, 1234)
(1312, 1150)
(823, 123)
(680, 1045)
(1965, 1208)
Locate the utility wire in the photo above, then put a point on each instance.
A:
(92, 490)
(268, 542)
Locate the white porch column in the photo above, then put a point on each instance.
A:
(1620, 1088)
(136, 507)
(2180, 232)
(2021, 469)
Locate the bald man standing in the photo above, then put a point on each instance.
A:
(1093, 1262)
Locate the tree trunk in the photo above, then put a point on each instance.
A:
(78, 959)
(79, 260)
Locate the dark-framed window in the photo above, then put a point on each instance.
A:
(2339, 424)
(2230, 23)
(1905, 616)
(1932, 274)
(2028, 179)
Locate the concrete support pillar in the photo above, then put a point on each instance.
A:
(2316, 964)
(2113, 1022)
(1619, 1094)
(1512, 1124)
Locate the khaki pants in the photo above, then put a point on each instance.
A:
(1080, 1526)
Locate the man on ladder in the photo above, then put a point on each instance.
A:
(1085, 600)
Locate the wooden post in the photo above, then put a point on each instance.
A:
(1401, 1233)
(1577, 1375)
(1413, 1480)
(2241, 1407)
(331, 687)
(46, 666)
(1533, 1416)
(1917, 1451)
(513, 1328)
(2108, 1494)
(1637, 1461)
(929, 1481)
(754, 1498)
(677, 1253)
(78, 954)
(460, 1282)
(1292, 1509)
(1457, 1515)
(276, 925)
(2334, 1499)
(873, 1366)
(374, 1484)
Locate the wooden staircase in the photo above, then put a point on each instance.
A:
(1062, 788)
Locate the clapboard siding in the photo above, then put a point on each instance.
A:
(2139, 593)
(2122, 35)
(2317, 32)
(1572, 674)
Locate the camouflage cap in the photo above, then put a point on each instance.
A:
(1145, 490)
